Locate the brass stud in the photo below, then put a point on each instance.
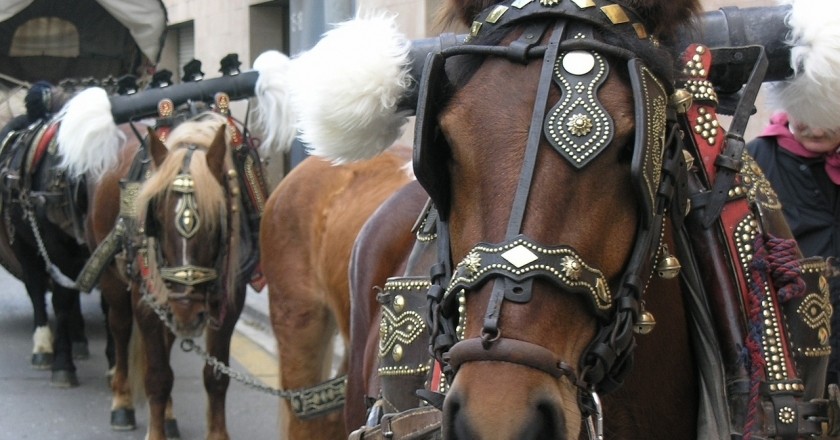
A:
(615, 14)
(496, 14)
(399, 303)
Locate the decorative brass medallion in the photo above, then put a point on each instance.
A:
(472, 262)
(579, 124)
(187, 220)
(188, 275)
(571, 267)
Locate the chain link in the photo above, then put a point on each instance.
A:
(29, 213)
(53, 270)
(219, 367)
(306, 403)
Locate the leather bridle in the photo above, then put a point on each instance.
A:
(658, 170)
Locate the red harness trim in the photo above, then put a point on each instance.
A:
(43, 143)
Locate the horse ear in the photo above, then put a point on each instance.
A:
(156, 147)
(216, 154)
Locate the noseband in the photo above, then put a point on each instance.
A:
(579, 129)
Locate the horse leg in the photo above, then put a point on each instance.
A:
(304, 328)
(77, 331)
(117, 301)
(110, 354)
(64, 370)
(42, 337)
(216, 385)
(159, 378)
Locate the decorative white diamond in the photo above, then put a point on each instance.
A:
(519, 256)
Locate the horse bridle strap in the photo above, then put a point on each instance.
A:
(512, 351)
(520, 259)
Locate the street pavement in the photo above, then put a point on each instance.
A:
(31, 409)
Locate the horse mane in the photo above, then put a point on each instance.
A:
(209, 194)
(662, 17)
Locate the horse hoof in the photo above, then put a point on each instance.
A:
(64, 379)
(42, 361)
(80, 350)
(123, 420)
(170, 428)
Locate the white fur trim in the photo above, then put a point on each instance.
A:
(88, 139)
(42, 340)
(273, 115)
(811, 95)
(346, 89)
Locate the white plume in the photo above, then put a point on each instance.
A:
(346, 89)
(88, 139)
(811, 95)
(273, 115)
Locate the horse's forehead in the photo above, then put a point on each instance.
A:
(500, 87)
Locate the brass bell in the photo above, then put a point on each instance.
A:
(645, 324)
(681, 100)
(669, 266)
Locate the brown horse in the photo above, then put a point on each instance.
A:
(42, 241)
(188, 273)
(308, 227)
(549, 146)
(176, 276)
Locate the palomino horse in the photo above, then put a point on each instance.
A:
(550, 145)
(42, 233)
(307, 231)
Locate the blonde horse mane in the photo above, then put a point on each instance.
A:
(209, 194)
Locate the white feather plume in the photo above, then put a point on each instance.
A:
(346, 89)
(811, 96)
(273, 115)
(88, 139)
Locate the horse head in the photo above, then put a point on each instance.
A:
(541, 141)
(189, 208)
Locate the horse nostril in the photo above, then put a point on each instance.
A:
(455, 425)
(548, 422)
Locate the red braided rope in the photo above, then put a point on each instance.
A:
(776, 259)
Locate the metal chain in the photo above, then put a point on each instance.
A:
(30, 215)
(219, 367)
(306, 403)
(53, 270)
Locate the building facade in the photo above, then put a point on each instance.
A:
(208, 30)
